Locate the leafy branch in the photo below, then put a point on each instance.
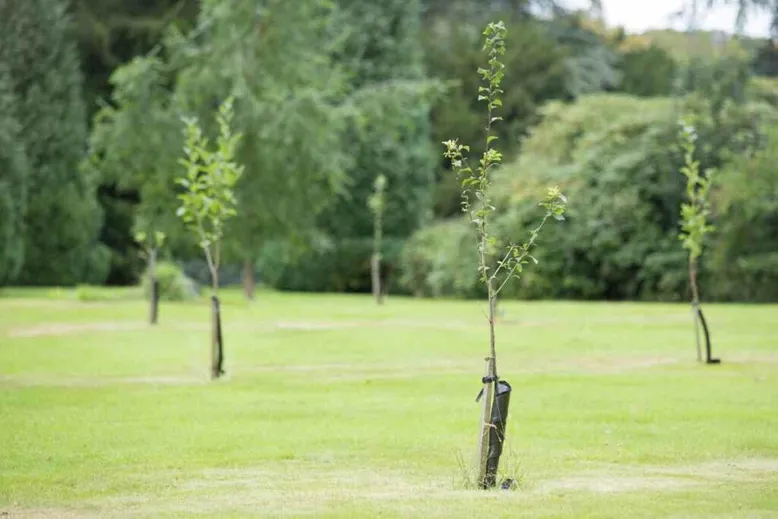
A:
(694, 222)
(149, 242)
(209, 182)
(696, 210)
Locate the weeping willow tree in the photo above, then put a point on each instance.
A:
(274, 58)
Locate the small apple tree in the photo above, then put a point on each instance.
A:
(150, 244)
(694, 226)
(208, 201)
(495, 269)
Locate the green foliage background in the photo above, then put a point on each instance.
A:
(331, 94)
(616, 157)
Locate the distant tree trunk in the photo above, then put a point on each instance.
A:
(375, 268)
(248, 279)
(154, 285)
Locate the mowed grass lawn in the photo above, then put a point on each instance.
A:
(334, 407)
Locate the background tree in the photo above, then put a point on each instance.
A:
(131, 145)
(745, 10)
(765, 62)
(208, 201)
(377, 203)
(110, 33)
(744, 255)
(386, 134)
(62, 218)
(14, 173)
(291, 116)
(150, 244)
(647, 72)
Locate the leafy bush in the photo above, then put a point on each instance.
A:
(745, 252)
(764, 90)
(617, 159)
(174, 285)
(329, 265)
(439, 260)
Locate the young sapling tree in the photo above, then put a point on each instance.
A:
(150, 244)
(496, 268)
(694, 226)
(377, 203)
(208, 201)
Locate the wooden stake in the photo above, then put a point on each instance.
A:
(375, 270)
(485, 426)
(217, 348)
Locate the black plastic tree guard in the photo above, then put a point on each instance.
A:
(708, 358)
(502, 397)
(218, 362)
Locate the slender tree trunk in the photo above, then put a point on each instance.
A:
(375, 271)
(154, 285)
(248, 279)
(217, 346)
(492, 311)
(695, 305)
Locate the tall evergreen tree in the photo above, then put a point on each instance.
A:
(13, 186)
(62, 218)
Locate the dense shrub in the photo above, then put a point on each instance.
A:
(647, 72)
(329, 265)
(617, 159)
(174, 285)
(744, 255)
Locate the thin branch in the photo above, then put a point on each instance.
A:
(521, 257)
